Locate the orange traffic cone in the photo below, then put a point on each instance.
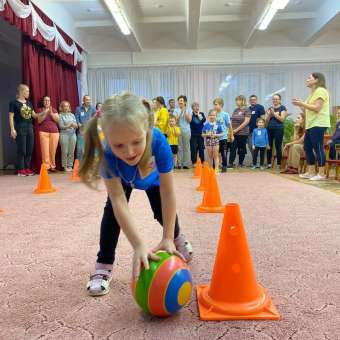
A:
(233, 292)
(44, 184)
(211, 199)
(75, 176)
(204, 177)
(198, 169)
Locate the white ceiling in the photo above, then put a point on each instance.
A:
(168, 24)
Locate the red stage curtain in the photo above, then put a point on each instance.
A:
(25, 26)
(47, 75)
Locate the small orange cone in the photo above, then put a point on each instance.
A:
(233, 292)
(198, 169)
(204, 177)
(44, 184)
(211, 202)
(75, 176)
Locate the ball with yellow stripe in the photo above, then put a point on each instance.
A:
(165, 288)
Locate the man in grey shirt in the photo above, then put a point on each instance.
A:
(183, 117)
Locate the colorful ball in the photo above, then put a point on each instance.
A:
(165, 288)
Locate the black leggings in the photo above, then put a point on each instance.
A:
(240, 145)
(196, 144)
(224, 152)
(255, 154)
(110, 230)
(277, 136)
(25, 142)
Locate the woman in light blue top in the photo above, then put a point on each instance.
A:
(68, 138)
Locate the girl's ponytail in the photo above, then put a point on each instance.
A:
(93, 154)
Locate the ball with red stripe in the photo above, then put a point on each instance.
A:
(165, 288)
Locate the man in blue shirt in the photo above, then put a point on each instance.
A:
(83, 114)
(257, 111)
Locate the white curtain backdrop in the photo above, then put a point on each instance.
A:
(204, 83)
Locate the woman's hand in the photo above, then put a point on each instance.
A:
(141, 256)
(297, 102)
(13, 134)
(168, 245)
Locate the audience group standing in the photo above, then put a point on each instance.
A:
(189, 132)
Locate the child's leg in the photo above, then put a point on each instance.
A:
(216, 150)
(175, 160)
(262, 151)
(255, 154)
(210, 156)
(109, 233)
(182, 245)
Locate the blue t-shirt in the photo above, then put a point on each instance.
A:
(161, 162)
(223, 119)
(214, 128)
(260, 137)
(275, 123)
(256, 112)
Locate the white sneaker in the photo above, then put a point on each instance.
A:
(99, 283)
(317, 178)
(306, 175)
(184, 247)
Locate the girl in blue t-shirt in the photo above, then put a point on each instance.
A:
(130, 154)
(211, 132)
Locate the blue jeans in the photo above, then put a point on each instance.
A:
(80, 146)
(313, 145)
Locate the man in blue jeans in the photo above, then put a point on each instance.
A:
(257, 111)
(83, 114)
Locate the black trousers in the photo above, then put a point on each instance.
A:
(196, 145)
(25, 142)
(275, 135)
(110, 229)
(255, 154)
(224, 152)
(240, 145)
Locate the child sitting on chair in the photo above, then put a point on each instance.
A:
(294, 150)
(335, 139)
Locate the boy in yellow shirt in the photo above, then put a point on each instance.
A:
(173, 133)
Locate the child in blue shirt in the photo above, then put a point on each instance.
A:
(260, 142)
(130, 154)
(212, 132)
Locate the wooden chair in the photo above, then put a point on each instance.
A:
(334, 162)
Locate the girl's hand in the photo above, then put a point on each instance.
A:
(253, 147)
(168, 245)
(141, 256)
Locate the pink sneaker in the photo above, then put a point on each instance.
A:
(184, 247)
(22, 173)
(29, 172)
